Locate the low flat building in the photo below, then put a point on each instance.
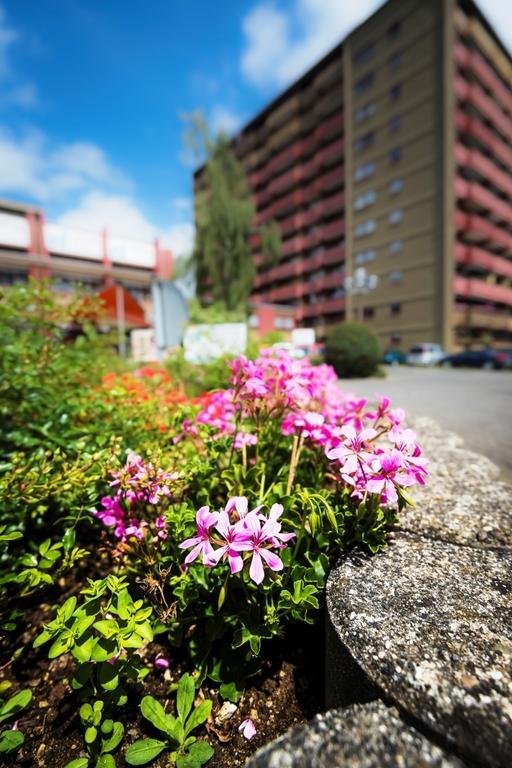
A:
(29, 245)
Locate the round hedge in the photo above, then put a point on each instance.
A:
(353, 350)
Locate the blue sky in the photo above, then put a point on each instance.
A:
(92, 95)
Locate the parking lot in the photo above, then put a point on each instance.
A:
(474, 403)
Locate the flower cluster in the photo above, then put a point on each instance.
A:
(236, 535)
(140, 486)
(374, 451)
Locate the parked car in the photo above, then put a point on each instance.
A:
(425, 354)
(394, 357)
(477, 358)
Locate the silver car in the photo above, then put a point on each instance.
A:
(425, 354)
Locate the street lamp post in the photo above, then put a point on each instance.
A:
(359, 284)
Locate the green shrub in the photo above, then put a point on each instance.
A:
(198, 378)
(353, 350)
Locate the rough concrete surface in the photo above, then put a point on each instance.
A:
(369, 735)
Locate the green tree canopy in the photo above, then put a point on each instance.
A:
(225, 213)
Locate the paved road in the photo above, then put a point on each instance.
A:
(475, 404)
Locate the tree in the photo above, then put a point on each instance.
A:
(224, 213)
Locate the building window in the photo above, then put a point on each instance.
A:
(363, 54)
(367, 111)
(395, 276)
(364, 200)
(395, 186)
(364, 257)
(394, 29)
(365, 228)
(364, 141)
(395, 61)
(396, 216)
(364, 83)
(396, 246)
(395, 123)
(395, 308)
(395, 92)
(288, 322)
(395, 155)
(368, 312)
(254, 321)
(364, 171)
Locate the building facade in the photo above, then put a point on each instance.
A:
(393, 155)
(29, 245)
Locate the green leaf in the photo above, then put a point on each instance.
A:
(90, 734)
(155, 713)
(143, 751)
(107, 627)
(10, 741)
(185, 696)
(86, 713)
(105, 761)
(201, 752)
(81, 625)
(103, 650)
(15, 704)
(79, 762)
(61, 645)
(231, 692)
(124, 604)
(115, 738)
(43, 638)
(12, 536)
(66, 610)
(108, 676)
(198, 716)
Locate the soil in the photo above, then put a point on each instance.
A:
(288, 690)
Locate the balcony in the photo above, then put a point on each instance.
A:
(325, 307)
(482, 318)
(477, 130)
(473, 94)
(478, 289)
(478, 258)
(482, 199)
(479, 230)
(474, 62)
(475, 161)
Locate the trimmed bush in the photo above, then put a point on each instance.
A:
(353, 350)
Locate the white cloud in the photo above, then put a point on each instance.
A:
(182, 204)
(280, 46)
(121, 216)
(8, 36)
(31, 166)
(224, 119)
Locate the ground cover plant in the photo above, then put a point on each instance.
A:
(157, 550)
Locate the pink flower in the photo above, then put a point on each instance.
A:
(260, 539)
(161, 662)
(201, 542)
(247, 729)
(236, 541)
(353, 452)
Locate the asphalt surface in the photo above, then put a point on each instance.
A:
(476, 404)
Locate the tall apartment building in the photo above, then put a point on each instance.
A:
(394, 154)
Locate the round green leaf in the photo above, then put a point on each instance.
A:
(10, 741)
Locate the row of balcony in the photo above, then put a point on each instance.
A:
(324, 183)
(302, 147)
(301, 173)
(481, 198)
(477, 162)
(293, 269)
(474, 62)
(473, 94)
(474, 128)
(471, 287)
(471, 256)
(479, 230)
(471, 317)
(300, 288)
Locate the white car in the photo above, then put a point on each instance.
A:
(425, 354)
